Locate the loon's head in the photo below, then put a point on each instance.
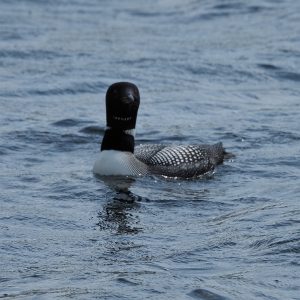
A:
(122, 104)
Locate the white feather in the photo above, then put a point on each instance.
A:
(112, 162)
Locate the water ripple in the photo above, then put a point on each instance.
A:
(204, 294)
(33, 54)
(52, 140)
(75, 89)
(227, 10)
(293, 76)
(279, 72)
(93, 129)
(69, 122)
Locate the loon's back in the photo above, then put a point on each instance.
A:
(182, 160)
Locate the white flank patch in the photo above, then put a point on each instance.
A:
(112, 162)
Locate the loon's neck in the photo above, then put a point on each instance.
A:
(118, 139)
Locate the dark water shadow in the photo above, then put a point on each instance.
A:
(119, 212)
(206, 295)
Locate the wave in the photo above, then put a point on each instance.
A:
(74, 89)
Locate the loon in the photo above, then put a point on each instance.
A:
(119, 156)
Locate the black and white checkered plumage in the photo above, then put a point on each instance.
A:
(180, 161)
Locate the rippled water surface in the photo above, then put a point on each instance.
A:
(208, 71)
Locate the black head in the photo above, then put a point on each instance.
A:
(122, 104)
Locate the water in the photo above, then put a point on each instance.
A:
(208, 71)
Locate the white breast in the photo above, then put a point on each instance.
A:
(112, 162)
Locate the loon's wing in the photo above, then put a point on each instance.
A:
(181, 161)
(145, 152)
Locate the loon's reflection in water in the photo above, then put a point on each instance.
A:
(118, 213)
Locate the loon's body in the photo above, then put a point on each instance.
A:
(173, 161)
(119, 156)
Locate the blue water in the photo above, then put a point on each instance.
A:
(208, 71)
